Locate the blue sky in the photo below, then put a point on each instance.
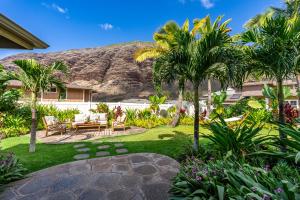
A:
(71, 24)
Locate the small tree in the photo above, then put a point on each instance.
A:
(35, 78)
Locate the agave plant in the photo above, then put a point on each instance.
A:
(239, 141)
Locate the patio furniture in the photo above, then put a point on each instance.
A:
(52, 124)
(119, 123)
(95, 120)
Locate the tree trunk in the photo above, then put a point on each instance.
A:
(33, 122)
(176, 118)
(280, 97)
(298, 90)
(196, 118)
(208, 97)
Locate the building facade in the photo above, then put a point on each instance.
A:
(73, 93)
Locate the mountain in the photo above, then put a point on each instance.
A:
(111, 70)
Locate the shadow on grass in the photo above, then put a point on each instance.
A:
(48, 155)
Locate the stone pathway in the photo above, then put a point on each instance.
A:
(127, 177)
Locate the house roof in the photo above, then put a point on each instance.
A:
(13, 36)
(15, 83)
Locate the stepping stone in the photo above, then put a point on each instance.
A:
(102, 153)
(79, 145)
(97, 142)
(103, 147)
(81, 156)
(83, 149)
(119, 145)
(119, 151)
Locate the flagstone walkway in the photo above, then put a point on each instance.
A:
(142, 176)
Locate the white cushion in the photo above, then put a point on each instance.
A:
(94, 117)
(50, 120)
(121, 119)
(102, 117)
(75, 123)
(80, 118)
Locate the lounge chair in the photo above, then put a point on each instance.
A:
(119, 123)
(52, 124)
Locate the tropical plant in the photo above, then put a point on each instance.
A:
(201, 58)
(10, 168)
(145, 114)
(218, 179)
(272, 94)
(171, 36)
(271, 46)
(218, 100)
(35, 78)
(290, 113)
(101, 108)
(131, 115)
(292, 142)
(118, 112)
(13, 125)
(155, 101)
(238, 141)
(8, 98)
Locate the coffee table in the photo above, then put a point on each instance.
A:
(87, 125)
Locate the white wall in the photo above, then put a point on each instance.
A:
(84, 107)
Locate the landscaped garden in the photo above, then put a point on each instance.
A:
(248, 150)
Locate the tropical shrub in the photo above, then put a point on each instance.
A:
(8, 99)
(13, 125)
(145, 114)
(239, 141)
(117, 112)
(131, 116)
(218, 179)
(10, 168)
(171, 110)
(290, 113)
(187, 120)
(218, 100)
(101, 108)
(155, 101)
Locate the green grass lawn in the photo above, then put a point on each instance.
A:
(163, 140)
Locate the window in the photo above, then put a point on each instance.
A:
(52, 89)
(63, 95)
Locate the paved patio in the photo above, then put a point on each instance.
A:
(84, 135)
(128, 177)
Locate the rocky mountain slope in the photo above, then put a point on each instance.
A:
(111, 71)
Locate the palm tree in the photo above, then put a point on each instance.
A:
(35, 78)
(271, 46)
(291, 11)
(170, 36)
(201, 58)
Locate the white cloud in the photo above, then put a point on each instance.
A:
(106, 26)
(207, 4)
(57, 8)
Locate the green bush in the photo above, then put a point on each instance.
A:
(187, 120)
(145, 114)
(10, 168)
(131, 116)
(218, 179)
(101, 108)
(239, 141)
(13, 125)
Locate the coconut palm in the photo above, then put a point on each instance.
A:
(170, 36)
(271, 46)
(35, 78)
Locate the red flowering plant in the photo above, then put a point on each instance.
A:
(290, 113)
(118, 112)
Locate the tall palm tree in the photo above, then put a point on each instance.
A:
(291, 11)
(202, 58)
(35, 78)
(170, 36)
(271, 46)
